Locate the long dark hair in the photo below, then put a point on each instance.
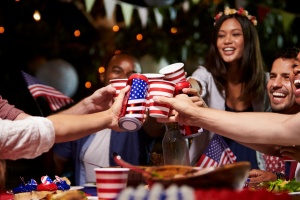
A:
(251, 63)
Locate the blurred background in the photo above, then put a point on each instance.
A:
(80, 34)
(67, 42)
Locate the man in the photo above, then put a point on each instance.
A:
(97, 149)
(282, 100)
(254, 128)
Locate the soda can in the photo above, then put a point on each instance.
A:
(185, 130)
(134, 103)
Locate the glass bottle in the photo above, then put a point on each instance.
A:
(175, 147)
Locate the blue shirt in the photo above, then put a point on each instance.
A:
(133, 147)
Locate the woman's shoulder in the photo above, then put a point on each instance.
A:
(201, 71)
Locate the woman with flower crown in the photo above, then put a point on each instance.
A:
(233, 76)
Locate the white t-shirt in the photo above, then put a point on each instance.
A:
(97, 154)
(27, 138)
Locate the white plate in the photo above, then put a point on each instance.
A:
(92, 198)
(90, 185)
(76, 187)
(294, 193)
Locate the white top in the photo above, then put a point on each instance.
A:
(27, 138)
(94, 156)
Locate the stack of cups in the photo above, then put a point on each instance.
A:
(174, 72)
(110, 182)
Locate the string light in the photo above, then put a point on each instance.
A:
(115, 28)
(173, 30)
(139, 37)
(101, 69)
(88, 84)
(2, 29)
(36, 15)
(77, 33)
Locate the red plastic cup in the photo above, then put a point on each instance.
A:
(174, 72)
(119, 84)
(152, 76)
(110, 182)
(134, 103)
(160, 88)
(185, 130)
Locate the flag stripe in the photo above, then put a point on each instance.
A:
(217, 153)
(55, 99)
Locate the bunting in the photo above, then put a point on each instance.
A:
(143, 12)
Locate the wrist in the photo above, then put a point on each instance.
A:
(279, 175)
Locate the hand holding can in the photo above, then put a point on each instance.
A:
(134, 103)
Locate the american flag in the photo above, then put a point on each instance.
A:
(46, 180)
(55, 98)
(216, 154)
(137, 99)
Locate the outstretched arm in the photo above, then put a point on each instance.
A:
(100, 100)
(260, 128)
(72, 127)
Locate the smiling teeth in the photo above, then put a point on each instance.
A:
(228, 49)
(277, 94)
(297, 82)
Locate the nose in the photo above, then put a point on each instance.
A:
(228, 39)
(277, 82)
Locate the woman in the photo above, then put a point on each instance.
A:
(233, 78)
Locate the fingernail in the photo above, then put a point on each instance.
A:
(248, 180)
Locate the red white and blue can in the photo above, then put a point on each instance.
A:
(134, 103)
(185, 130)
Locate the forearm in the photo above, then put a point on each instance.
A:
(72, 127)
(261, 128)
(81, 107)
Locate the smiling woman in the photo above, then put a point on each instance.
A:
(233, 78)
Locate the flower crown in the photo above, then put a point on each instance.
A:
(241, 11)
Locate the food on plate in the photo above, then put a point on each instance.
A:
(281, 186)
(171, 171)
(68, 195)
(230, 176)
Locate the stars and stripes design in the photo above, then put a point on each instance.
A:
(137, 98)
(216, 154)
(274, 164)
(46, 180)
(55, 99)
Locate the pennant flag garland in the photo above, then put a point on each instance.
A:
(55, 98)
(127, 11)
(109, 8)
(216, 154)
(89, 5)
